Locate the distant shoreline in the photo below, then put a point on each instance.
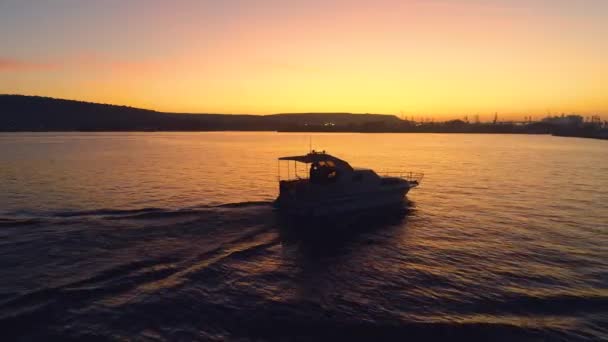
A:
(274, 131)
(42, 114)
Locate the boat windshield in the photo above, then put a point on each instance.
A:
(323, 172)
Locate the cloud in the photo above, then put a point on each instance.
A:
(100, 62)
(82, 61)
(11, 64)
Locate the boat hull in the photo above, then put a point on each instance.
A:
(337, 205)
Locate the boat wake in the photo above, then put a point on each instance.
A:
(31, 217)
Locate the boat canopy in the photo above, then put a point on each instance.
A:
(320, 158)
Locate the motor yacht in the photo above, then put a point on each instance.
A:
(327, 185)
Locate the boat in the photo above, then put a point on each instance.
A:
(327, 185)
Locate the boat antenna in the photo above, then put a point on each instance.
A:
(310, 143)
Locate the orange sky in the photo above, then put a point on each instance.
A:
(432, 58)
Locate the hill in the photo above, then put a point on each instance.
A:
(33, 113)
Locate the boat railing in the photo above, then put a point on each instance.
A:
(412, 177)
(292, 171)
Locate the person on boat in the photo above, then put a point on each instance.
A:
(314, 172)
(319, 173)
(324, 172)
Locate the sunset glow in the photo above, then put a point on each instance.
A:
(433, 58)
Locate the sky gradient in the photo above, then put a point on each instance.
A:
(431, 58)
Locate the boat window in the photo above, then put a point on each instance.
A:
(328, 163)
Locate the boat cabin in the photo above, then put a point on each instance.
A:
(321, 168)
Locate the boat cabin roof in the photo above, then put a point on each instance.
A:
(320, 157)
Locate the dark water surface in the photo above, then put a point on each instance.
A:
(172, 236)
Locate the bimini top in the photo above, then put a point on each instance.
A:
(319, 157)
